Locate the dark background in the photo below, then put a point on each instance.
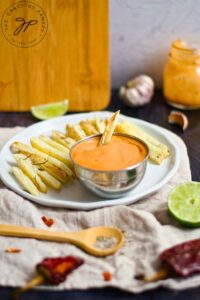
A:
(156, 112)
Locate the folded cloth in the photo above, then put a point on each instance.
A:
(146, 224)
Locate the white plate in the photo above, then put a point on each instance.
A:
(74, 195)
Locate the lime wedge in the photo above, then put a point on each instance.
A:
(48, 111)
(184, 203)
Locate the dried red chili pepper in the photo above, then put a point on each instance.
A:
(184, 258)
(53, 271)
(180, 260)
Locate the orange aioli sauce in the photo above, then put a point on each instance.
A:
(120, 153)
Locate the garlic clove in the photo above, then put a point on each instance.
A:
(179, 118)
(137, 91)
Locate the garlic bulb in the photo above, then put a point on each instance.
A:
(137, 91)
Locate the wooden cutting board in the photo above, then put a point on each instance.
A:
(51, 50)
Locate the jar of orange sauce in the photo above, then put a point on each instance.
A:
(182, 76)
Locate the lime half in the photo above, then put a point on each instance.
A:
(48, 111)
(184, 203)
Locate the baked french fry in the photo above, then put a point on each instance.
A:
(99, 124)
(47, 178)
(88, 128)
(59, 164)
(110, 127)
(139, 132)
(27, 168)
(44, 164)
(75, 132)
(157, 150)
(44, 147)
(62, 139)
(53, 144)
(18, 147)
(25, 181)
(153, 143)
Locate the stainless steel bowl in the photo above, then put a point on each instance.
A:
(111, 184)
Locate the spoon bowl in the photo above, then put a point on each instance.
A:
(87, 239)
(92, 237)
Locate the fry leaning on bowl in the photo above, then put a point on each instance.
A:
(111, 164)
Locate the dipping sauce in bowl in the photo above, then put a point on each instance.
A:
(111, 170)
(122, 152)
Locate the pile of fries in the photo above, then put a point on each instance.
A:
(46, 163)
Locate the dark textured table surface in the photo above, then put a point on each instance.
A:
(157, 113)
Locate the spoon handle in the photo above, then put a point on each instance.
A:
(20, 231)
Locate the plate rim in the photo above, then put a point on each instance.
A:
(68, 204)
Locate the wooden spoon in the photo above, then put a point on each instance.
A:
(84, 239)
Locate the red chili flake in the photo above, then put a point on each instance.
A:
(47, 221)
(13, 250)
(107, 276)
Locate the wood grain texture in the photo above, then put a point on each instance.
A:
(70, 61)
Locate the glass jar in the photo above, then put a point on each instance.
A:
(182, 76)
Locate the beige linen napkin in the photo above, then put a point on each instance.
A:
(148, 230)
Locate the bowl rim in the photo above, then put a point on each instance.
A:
(110, 171)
